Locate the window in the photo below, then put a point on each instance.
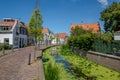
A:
(16, 41)
(6, 40)
(5, 28)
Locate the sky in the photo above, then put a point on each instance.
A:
(57, 15)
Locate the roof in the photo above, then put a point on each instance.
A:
(26, 25)
(95, 27)
(7, 23)
(62, 35)
(45, 30)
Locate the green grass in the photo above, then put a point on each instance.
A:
(56, 71)
(53, 70)
(90, 69)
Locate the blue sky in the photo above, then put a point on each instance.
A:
(57, 14)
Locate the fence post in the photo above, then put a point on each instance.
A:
(29, 59)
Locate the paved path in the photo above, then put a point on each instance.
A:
(15, 66)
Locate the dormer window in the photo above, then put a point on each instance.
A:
(5, 28)
(8, 20)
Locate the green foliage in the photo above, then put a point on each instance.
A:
(53, 70)
(84, 41)
(65, 50)
(107, 37)
(103, 47)
(6, 46)
(87, 70)
(35, 25)
(111, 17)
(81, 39)
(79, 31)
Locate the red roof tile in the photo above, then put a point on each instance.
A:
(45, 30)
(62, 35)
(26, 25)
(7, 23)
(95, 27)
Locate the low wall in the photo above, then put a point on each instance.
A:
(106, 60)
(109, 61)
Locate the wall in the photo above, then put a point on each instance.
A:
(109, 61)
(6, 35)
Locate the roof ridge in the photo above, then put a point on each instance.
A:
(86, 23)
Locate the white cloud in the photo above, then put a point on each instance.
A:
(103, 2)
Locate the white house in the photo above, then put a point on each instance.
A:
(13, 32)
(62, 38)
(47, 36)
(117, 35)
(54, 41)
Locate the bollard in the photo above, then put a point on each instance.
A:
(3, 50)
(29, 59)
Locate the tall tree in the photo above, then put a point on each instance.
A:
(111, 17)
(35, 24)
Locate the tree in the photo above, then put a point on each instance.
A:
(79, 31)
(111, 17)
(35, 25)
(81, 39)
(107, 37)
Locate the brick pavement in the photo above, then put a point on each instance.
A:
(15, 66)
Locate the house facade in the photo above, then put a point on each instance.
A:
(62, 38)
(47, 36)
(13, 32)
(94, 27)
(117, 35)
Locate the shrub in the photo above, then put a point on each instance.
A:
(84, 41)
(5, 46)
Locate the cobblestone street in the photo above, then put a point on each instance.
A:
(15, 66)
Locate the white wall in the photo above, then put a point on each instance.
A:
(61, 40)
(117, 36)
(9, 35)
(54, 41)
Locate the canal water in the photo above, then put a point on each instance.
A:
(59, 59)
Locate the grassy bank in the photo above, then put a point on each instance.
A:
(53, 70)
(83, 68)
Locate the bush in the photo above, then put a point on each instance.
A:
(5, 46)
(65, 50)
(103, 47)
(84, 41)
